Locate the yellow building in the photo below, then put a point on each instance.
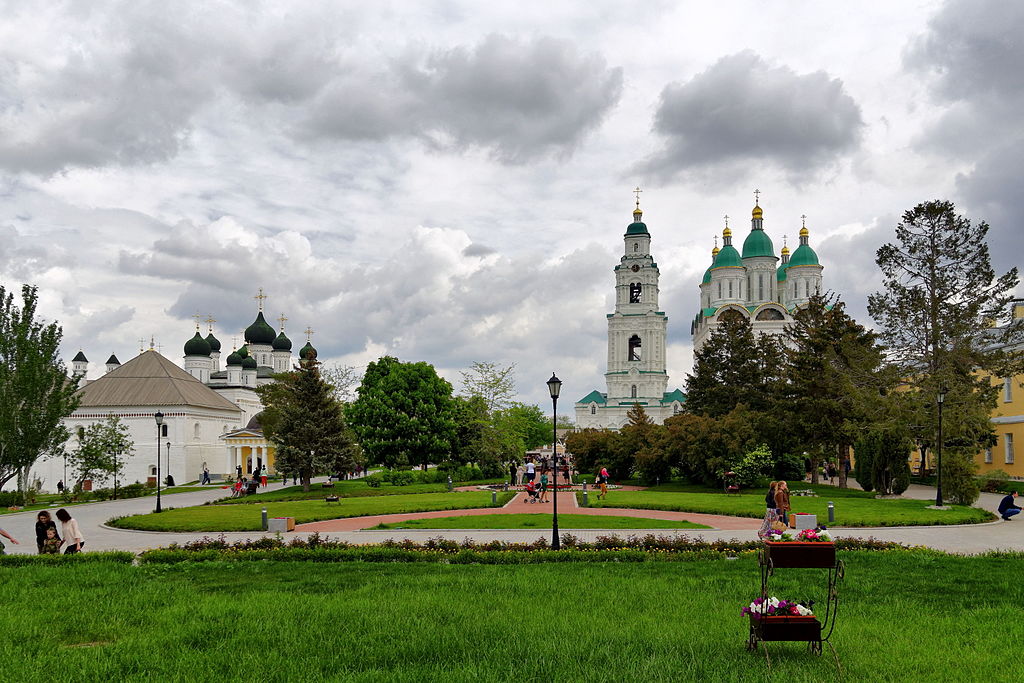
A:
(248, 448)
(1007, 422)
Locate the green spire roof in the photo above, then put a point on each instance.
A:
(197, 346)
(637, 227)
(758, 244)
(80, 358)
(213, 342)
(248, 363)
(307, 352)
(803, 256)
(234, 358)
(242, 351)
(260, 332)
(727, 257)
(282, 343)
(594, 396)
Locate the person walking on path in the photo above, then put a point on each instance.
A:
(238, 472)
(512, 469)
(1007, 508)
(43, 522)
(769, 515)
(72, 534)
(263, 476)
(602, 479)
(531, 471)
(782, 501)
(9, 538)
(206, 475)
(544, 488)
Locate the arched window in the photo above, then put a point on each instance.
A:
(632, 391)
(635, 288)
(152, 470)
(634, 348)
(769, 314)
(593, 409)
(197, 432)
(730, 289)
(636, 246)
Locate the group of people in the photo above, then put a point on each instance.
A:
(48, 540)
(777, 507)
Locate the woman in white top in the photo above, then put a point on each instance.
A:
(71, 534)
(531, 471)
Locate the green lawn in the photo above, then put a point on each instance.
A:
(540, 520)
(247, 517)
(346, 489)
(851, 510)
(904, 617)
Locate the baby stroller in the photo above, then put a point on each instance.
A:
(534, 494)
(251, 488)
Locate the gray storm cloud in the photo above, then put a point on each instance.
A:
(742, 110)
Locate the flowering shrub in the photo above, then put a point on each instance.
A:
(773, 607)
(806, 536)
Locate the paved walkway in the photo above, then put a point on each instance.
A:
(974, 538)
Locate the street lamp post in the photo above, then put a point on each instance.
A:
(941, 398)
(554, 388)
(168, 461)
(159, 417)
(115, 473)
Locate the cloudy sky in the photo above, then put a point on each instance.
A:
(450, 181)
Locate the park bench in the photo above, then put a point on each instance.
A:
(332, 499)
(327, 485)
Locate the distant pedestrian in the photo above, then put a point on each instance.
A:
(602, 479)
(43, 522)
(544, 488)
(9, 538)
(238, 473)
(206, 475)
(60, 486)
(782, 506)
(1007, 508)
(769, 515)
(833, 471)
(531, 471)
(72, 534)
(512, 470)
(263, 476)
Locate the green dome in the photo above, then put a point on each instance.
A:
(781, 274)
(248, 363)
(707, 275)
(637, 228)
(728, 257)
(282, 343)
(307, 352)
(758, 243)
(213, 342)
(234, 358)
(197, 346)
(260, 332)
(804, 256)
(243, 352)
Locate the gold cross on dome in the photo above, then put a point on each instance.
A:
(152, 342)
(726, 217)
(282, 320)
(260, 297)
(309, 333)
(784, 241)
(637, 192)
(757, 197)
(197, 317)
(803, 221)
(142, 344)
(210, 321)
(234, 343)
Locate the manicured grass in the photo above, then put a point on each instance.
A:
(247, 517)
(345, 489)
(851, 511)
(541, 520)
(904, 617)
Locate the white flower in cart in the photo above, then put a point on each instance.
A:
(803, 611)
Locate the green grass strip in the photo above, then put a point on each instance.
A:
(541, 520)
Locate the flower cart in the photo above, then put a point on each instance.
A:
(774, 620)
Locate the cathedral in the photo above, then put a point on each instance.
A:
(755, 284)
(636, 342)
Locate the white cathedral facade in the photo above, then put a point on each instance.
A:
(637, 333)
(754, 284)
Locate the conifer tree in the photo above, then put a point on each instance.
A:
(726, 370)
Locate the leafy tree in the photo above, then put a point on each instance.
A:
(726, 370)
(590, 448)
(529, 423)
(937, 315)
(102, 450)
(343, 380)
(35, 392)
(702, 447)
(890, 471)
(310, 431)
(404, 414)
(835, 379)
(638, 447)
(494, 383)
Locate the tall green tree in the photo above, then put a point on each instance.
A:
(403, 415)
(35, 392)
(938, 314)
(495, 384)
(727, 370)
(101, 451)
(836, 380)
(309, 429)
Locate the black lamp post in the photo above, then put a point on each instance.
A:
(115, 473)
(168, 460)
(554, 388)
(940, 399)
(159, 417)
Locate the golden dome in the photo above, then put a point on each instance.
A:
(637, 212)
(757, 213)
(804, 232)
(785, 251)
(714, 252)
(727, 232)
